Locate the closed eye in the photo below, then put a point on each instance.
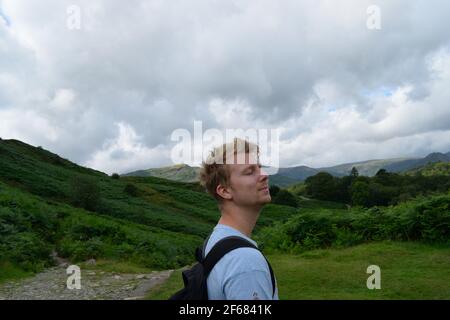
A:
(251, 170)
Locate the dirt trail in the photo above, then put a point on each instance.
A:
(98, 285)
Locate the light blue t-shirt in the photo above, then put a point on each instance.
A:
(241, 274)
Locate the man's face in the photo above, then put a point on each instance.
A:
(249, 184)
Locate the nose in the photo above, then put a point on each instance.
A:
(263, 174)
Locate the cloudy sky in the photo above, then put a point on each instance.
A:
(108, 89)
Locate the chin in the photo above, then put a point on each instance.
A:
(267, 199)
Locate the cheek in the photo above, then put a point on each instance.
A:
(245, 185)
(251, 184)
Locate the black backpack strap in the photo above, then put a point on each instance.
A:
(204, 246)
(226, 245)
(272, 276)
(200, 251)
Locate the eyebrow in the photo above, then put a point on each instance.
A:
(251, 166)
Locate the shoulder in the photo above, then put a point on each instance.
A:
(240, 274)
(247, 276)
(244, 260)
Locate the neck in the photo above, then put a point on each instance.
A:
(241, 219)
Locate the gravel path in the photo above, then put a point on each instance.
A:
(52, 285)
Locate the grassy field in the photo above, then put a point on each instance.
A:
(409, 270)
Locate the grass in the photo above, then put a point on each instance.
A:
(409, 270)
(115, 266)
(11, 272)
(166, 289)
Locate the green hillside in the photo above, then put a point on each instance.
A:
(32, 227)
(179, 172)
(431, 169)
(48, 203)
(44, 174)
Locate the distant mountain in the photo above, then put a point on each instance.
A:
(179, 172)
(186, 173)
(416, 163)
(282, 181)
(291, 175)
(365, 168)
(300, 173)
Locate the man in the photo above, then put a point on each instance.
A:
(233, 175)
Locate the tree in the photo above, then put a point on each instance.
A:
(360, 194)
(85, 192)
(354, 173)
(380, 195)
(343, 189)
(115, 176)
(321, 186)
(388, 178)
(381, 173)
(286, 198)
(274, 189)
(131, 190)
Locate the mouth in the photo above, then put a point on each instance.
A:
(265, 188)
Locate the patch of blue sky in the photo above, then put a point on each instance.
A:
(5, 18)
(382, 91)
(331, 108)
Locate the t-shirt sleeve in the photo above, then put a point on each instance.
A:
(250, 285)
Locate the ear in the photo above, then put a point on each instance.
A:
(224, 192)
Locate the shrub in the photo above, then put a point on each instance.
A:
(274, 238)
(131, 190)
(27, 251)
(274, 189)
(115, 176)
(85, 193)
(422, 219)
(286, 198)
(81, 250)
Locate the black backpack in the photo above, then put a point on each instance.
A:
(195, 287)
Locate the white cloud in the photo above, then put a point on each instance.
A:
(15, 124)
(126, 152)
(63, 99)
